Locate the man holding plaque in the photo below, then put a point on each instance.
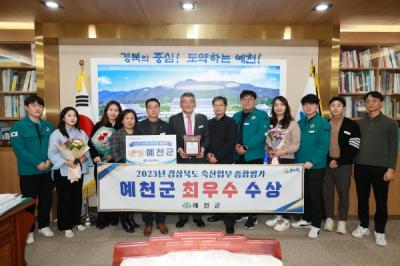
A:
(221, 149)
(153, 125)
(252, 125)
(192, 138)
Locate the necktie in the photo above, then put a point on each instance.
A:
(190, 126)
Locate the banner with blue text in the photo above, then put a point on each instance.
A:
(201, 188)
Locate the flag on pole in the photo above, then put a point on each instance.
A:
(312, 87)
(82, 104)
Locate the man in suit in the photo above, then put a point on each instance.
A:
(221, 149)
(188, 122)
(153, 125)
(252, 125)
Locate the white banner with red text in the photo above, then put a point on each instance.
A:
(202, 188)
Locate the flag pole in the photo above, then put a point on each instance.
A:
(87, 218)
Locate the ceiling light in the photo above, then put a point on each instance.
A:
(322, 7)
(188, 5)
(51, 4)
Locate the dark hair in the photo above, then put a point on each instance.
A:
(152, 100)
(310, 98)
(248, 92)
(339, 99)
(374, 94)
(188, 94)
(124, 113)
(220, 98)
(104, 119)
(33, 99)
(287, 117)
(61, 122)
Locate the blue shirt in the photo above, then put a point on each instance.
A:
(58, 159)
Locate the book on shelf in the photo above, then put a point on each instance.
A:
(13, 80)
(357, 82)
(389, 58)
(388, 108)
(390, 82)
(5, 127)
(356, 59)
(14, 106)
(354, 107)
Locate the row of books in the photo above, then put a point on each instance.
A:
(18, 80)
(391, 108)
(14, 106)
(390, 82)
(389, 58)
(355, 59)
(355, 107)
(353, 82)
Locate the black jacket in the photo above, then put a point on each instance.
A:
(349, 142)
(222, 139)
(143, 128)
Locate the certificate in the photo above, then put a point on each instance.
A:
(192, 145)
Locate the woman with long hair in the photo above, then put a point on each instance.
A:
(282, 120)
(129, 121)
(69, 193)
(100, 151)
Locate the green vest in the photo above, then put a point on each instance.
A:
(254, 128)
(30, 148)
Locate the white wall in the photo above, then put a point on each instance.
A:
(298, 63)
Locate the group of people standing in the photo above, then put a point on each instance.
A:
(327, 149)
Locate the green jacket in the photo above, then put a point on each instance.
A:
(28, 147)
(314, 141)
(254, 128)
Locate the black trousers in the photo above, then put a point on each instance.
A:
(313, 206)
(365, 177)
(251, 216)
(228, 218)
(38, 187)
(69, 201)
(149, 217)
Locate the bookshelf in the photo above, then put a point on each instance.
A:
(369, 67)
(17, 81)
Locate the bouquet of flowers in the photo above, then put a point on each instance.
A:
(102, 140)
(275, 140)
(72, 149)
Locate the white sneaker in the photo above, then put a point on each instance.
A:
(282, 225)
(380, 239)
(68, 233)
(360, 231)
(314, 232)
(80, 227)
(341, 228)
(301, 224)
(30, 239)
(272, 222)
(46, 231)
(328, 226)
(241, 219)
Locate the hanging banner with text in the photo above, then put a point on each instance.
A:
(201, 188)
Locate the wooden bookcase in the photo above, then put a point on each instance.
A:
(17, 81)
(368, 67)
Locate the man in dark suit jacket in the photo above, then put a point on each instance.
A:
(221, 149)
(189, 123)
(153, 125)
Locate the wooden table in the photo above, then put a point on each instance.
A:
(14, 228)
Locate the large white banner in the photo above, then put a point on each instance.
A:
(201, 188)
(151, 149)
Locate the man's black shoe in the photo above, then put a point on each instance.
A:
(199, 223)
(181, 223)
(230, 229)
(214, 218)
